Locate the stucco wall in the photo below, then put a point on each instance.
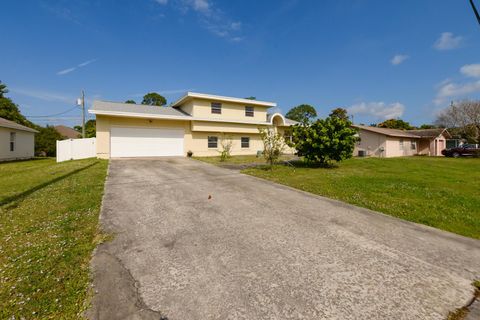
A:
(201, 108)
(24, 144)
(370, 142)
(195, 141)
(393, 147)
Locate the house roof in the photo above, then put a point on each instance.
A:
(191, 95)
(13, 125)
(389, 132)
(430, 133)
(67, 132)
(137, 110)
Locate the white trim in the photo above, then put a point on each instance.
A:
(281, 116)
(222, 98)
(139, 115)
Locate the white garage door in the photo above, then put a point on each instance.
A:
(145, 142)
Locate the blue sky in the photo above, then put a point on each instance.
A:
(379, 59)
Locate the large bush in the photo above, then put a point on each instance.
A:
(325, 140)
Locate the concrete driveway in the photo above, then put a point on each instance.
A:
(194, 241)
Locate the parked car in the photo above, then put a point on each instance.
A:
(472, 150)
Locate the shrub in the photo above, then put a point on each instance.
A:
(273, 145)
(226, 146)
(325, 140)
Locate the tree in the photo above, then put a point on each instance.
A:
(10, 111)
(339, 113)
(464, 118)
(90, 128)
(303, 113)
(395, 124)
(154, 99)
(273, 145)
(427, 126)
(131, 101)
(251, 98)
(46, 141)
(325, 140)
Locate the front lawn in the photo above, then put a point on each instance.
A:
(439, 192)
(48, 230)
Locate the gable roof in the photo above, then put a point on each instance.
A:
(138, 110)
(191, 95)
(431, 133)
(67, 132)
(13, 125)
(388, 132)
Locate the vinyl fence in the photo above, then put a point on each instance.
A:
(73, 149)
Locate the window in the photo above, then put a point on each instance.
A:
(249, 112)
(413, 145)
(401, 144)
(212, 142)
(12, 141)
(245, 142)
(216, 107)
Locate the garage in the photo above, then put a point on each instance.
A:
(146, 142)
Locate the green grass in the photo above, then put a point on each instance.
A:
(440, 192)
(48, 230)
(247, 159)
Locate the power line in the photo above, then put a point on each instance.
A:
(475, 11)
(53, 115)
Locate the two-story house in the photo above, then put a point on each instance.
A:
(197, 122)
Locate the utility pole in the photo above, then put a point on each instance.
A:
(83, 114)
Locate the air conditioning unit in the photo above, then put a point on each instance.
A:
(362, 153)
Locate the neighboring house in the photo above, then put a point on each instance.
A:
(432, 141)
(197, 122)
(383, 142)
(67, 132)
(16, 141)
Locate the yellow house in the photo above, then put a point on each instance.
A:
(198, 123)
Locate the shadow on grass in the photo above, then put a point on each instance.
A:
(309, 164)
(26, 160)
(19, 197)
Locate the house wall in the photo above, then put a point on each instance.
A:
(196, 134)
(370, 142)
(104, 123)
(201, 108)
(393, 147)
(424, 147)
(24, 144)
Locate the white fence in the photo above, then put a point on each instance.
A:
(73, 149)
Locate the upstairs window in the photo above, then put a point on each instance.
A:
(12, 141)
(245, 142)
(216, 107)
(212, 142)
(249, 111)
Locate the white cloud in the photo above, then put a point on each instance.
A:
(163, 2)
(449, 89)
(448, 41)
(471, 70)
(201, 5)
(211, 18)
(398, 59)
(71, 69)
(378, 110)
